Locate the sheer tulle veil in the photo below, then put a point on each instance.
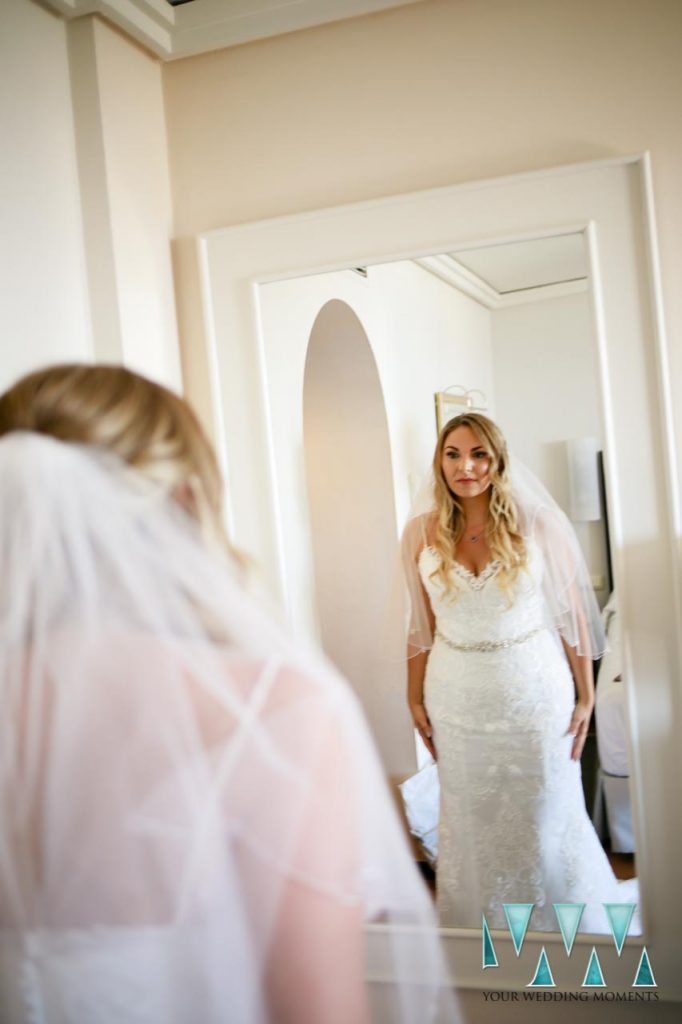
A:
(570, 604)
(182, 791)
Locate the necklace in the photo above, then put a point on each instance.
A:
(473, 537)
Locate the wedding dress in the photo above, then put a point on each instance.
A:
(500, 694)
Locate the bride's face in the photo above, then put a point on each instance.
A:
(465, 463)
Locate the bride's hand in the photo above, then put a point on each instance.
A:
(580, 721)
(423, 726)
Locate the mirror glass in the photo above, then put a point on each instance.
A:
(383, 351)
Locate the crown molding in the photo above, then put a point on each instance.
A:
(149, 22)
(192, 28)
(464, 280)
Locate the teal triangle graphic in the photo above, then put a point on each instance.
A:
(543, 975)
(619, 915)
(518, 916)
(568, 915)
(593, 975)
(489, 955)
(645, 976)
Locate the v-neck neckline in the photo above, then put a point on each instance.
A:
(477, 580)
(482, 577)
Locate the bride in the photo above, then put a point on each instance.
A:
(193, 822)
(504, 626)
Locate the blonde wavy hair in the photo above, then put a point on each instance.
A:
(145, 424)
(502, 534)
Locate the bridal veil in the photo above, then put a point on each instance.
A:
(571, 607)
(187, 801)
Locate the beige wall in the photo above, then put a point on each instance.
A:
(441, 92)
(126, 200)
(139, 197)
(44, 305)
(85, 201)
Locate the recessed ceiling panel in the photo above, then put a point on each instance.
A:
(521, 265)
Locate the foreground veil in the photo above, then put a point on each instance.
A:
(182, 794)
(570, 604)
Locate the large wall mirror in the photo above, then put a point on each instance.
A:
(539, 293)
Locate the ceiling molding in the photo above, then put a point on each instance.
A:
(543, 292)
(205, 25)
(149, 22)
(464, 280)
(454, 274)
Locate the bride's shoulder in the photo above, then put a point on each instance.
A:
(419, 533)
(430, 527)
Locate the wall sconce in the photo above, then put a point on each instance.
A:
(455, 400)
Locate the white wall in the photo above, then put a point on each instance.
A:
(432, 337)
(44, 307)
(546, 390)
(425, 336)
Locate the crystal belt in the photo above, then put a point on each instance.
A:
(489, 645)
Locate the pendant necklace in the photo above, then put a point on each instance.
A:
(473, 537)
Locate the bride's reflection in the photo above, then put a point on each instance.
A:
(504, 628)
(513, 321)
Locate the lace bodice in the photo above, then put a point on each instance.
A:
(481, 609)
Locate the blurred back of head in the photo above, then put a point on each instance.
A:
(143, 423)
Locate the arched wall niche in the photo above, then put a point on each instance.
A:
(349, 483)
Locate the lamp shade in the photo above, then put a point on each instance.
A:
(583, 479)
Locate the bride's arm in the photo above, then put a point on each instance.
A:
(421, 624)
(416, 670)
(316, 970)
(583, 675)
(300, 859)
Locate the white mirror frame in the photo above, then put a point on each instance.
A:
(612, 202)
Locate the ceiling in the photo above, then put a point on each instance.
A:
(197, 26)
(536, 263)
(513, 273)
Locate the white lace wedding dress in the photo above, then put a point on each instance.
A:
(499, 693)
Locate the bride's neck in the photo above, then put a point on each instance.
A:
(475, 510)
